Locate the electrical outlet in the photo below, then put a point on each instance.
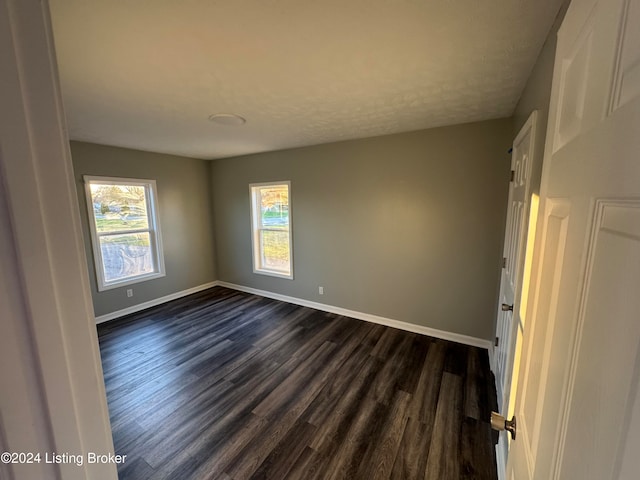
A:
(129, 292)
(321, 290)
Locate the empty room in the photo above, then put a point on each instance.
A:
(320, 240)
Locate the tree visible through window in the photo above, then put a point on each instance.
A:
(125, 230)
(271, 229)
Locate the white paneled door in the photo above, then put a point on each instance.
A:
(577, 403)
(508, 316)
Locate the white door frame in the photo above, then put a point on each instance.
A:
(53, 394)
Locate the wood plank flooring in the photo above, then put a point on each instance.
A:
(228, 385)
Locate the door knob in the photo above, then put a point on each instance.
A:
(499, 423)
(506, 308)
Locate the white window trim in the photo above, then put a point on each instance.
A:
(155, 234)
(255, 233)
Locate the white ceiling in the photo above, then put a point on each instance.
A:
(146, 74)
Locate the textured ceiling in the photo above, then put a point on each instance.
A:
(146, 74)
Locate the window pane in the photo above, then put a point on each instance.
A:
(119, 207)
(275, 250)
(126, 255)
(271, 229)
(274, 206)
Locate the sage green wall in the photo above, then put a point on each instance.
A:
(405, 226)
(184, 197)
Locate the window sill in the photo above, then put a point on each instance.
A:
(273, 273)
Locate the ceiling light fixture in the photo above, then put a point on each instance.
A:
(228, 119)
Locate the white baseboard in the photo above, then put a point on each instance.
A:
(410, 327)
(154, 302)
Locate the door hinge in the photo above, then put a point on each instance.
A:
(497, 342)
(513, 175)
(504, 262)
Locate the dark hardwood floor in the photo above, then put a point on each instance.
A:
(228, 385)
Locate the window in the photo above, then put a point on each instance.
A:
(125, 232)
(271, 229)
